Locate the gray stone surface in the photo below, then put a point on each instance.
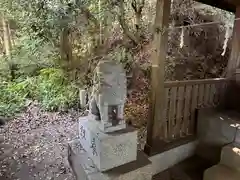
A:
(167, 159)
(221, 172)
(215, 130)
(230, 156)
(215, 127)
(83, 97)
(237, 139)
(85, 169)
(109, 95)
(107, 150)
(107, 127)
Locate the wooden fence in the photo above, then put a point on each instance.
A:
(182, 98)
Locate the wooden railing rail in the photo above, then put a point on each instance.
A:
(182, 98)
(170, 84)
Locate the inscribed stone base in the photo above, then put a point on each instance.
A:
(84, 168)
(107, 127)
(107, 150)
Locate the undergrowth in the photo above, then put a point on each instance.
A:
(50, 88)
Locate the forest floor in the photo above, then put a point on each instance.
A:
(39, 141)
(39, 145)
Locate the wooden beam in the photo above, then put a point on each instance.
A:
(222, 4)
(158, 57)
(234, 60)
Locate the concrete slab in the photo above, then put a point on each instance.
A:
(84, 168)
(108, 150)
(173, 156)
(221, 172)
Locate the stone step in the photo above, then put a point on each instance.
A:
(221, 172)
(230, 156)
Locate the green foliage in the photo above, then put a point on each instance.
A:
(12, 97)
(50, 88)
(54, 90)
(31, 54)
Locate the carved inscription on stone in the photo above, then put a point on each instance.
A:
(94, 147)
(82, 133)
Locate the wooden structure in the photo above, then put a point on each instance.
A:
(173, 104)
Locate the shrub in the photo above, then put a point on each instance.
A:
(11, 100)
(54, 91)
(51, 88)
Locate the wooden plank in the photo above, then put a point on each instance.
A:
(179, 117)
(212, 95)
(172, 112)
(217, 95)
(206, 95)
(158, 57)
(194, 104)
(223, 88)
(186, 116)
(201, 95)
(165, 124)
(170, 84)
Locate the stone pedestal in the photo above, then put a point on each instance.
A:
(107, 150)
(98, 155)
(85, 169)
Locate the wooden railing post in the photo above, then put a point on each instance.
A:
(158, 57)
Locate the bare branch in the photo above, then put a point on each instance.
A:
(123, 24)
(134, 5)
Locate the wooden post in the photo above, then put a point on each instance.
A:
(234, 60)
(158, 56)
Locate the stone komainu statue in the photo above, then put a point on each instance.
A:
(109, 93)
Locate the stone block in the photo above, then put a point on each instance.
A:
(215, 129)
(108, 127)
(84, 168)
(221, 172)
(107, 150)
(167, 159)
(230, 156)
(83, 97)
(237, 138)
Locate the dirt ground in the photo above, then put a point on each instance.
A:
(39, 144)
(38, 141)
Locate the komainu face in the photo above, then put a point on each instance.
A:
(111, 82)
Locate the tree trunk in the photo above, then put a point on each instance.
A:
(8, 47)
(6, 36)
(65, 45)
(124, 26)
(138, 8)
(10, 36)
